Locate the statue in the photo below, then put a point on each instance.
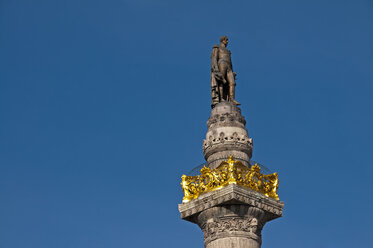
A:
(222, 75)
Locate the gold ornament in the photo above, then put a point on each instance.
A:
(229, 172)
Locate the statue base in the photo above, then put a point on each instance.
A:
(226, 136)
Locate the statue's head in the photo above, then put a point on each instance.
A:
(224, 40)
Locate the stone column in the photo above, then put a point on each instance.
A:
(232, 226)
(232, 216)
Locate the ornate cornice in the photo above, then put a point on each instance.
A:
(231, 194)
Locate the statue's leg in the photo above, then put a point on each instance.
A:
(221, 92)
(223, 68)
(232, 85)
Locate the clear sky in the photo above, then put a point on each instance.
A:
(103, 106)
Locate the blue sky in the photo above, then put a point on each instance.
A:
(103, 106)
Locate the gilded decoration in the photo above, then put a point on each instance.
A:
(229, 172)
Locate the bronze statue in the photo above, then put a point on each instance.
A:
(222, 75)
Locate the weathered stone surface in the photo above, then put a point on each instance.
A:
(226, 135)
(234, 242)
(232, 216)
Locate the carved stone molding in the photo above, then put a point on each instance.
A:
(224, 227)
(230, 119)
(226, 133)
(227, 137)
(224, 143)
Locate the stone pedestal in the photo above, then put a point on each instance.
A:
(232, 216)
(226, 136)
